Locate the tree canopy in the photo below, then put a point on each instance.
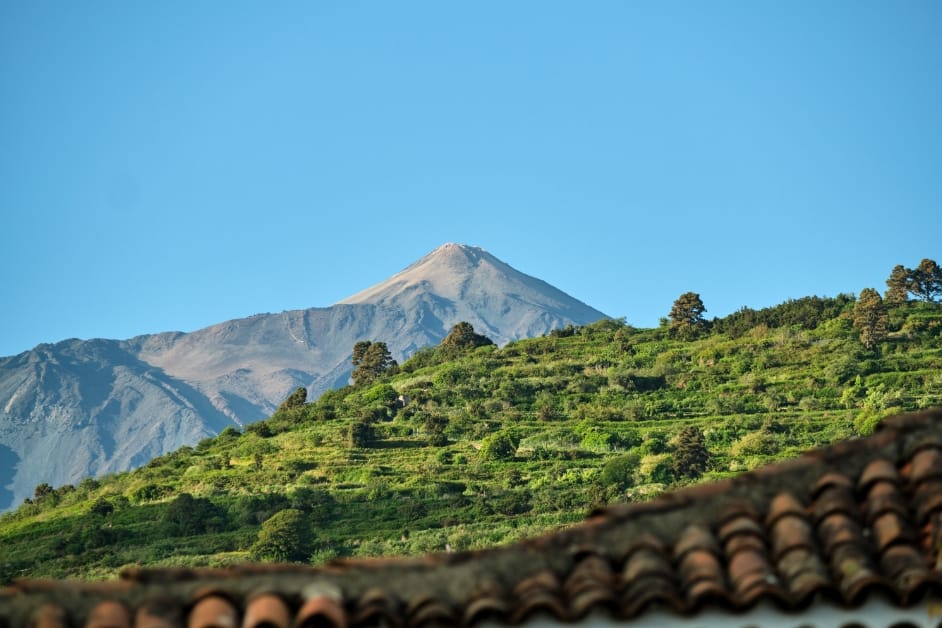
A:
(691, 455)
(295, 399)
(463, 336)
(897, 285)
(687, 316)
(870, 318)
(284, 537)
(926, 280)
(370, 360)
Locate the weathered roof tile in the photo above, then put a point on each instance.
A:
(109, 614)
(878, 470)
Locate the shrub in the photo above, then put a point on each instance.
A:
(285, 537)
(657, 468)
(361, 434)
(754, 444)
(188, 516)
(102, 507)
(500, 446)
(149, 492)
(618, 471)
(653, 443)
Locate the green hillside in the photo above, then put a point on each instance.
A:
(465, 446)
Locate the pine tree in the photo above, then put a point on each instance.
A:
(897, 285)
(926, 280)
(691, 455)
(687, 316)
(870, 318)
(370, 360)
(295, 399)
(463, 336)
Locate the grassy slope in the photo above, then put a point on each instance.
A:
(572, 402)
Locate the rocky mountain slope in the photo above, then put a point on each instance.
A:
(80, 408)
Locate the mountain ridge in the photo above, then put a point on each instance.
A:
(237, 371)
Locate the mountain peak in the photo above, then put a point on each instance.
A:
(463, 282)
(452, 252)
(441, 271)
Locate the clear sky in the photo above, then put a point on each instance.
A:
(169, 165)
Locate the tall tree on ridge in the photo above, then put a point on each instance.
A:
(294, 400)
(687, 316)
(897, 285)
(370, 360)
(870, 318)
(463, 336)
(926, 280)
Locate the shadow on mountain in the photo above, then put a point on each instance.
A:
(243, 408)
(114, 371)
(8, 463)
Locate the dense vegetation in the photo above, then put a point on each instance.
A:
(468, 445)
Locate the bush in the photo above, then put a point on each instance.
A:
(653, 443)
(285, 537)
(254, 509)
(361, 434)
(149, 492)
(500, 446)
(597, 440)
(618, 471)
(102, 507)
(754, 444)
(261, 429)
(188, 516)
(657, 468)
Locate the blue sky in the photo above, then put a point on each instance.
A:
(169, 165)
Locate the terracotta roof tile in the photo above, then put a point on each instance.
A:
(844, 522)
(213, 611)
(267, 609)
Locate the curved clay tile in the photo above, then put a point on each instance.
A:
(109, 614)
(790, 532)
(213, 611)
(879, 470)
(837, 529)
(647, 563)
(738, 526)
(267, 610)
(831, 479)
(159, 613)
(321, 611)
(884, 497)
(50, 616)
(782, 505)
(834, 499)
(695, 537)
(927, 499)
(590, 585)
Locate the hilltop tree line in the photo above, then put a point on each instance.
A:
(924, 282)
(870, 317)
(868, 314)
